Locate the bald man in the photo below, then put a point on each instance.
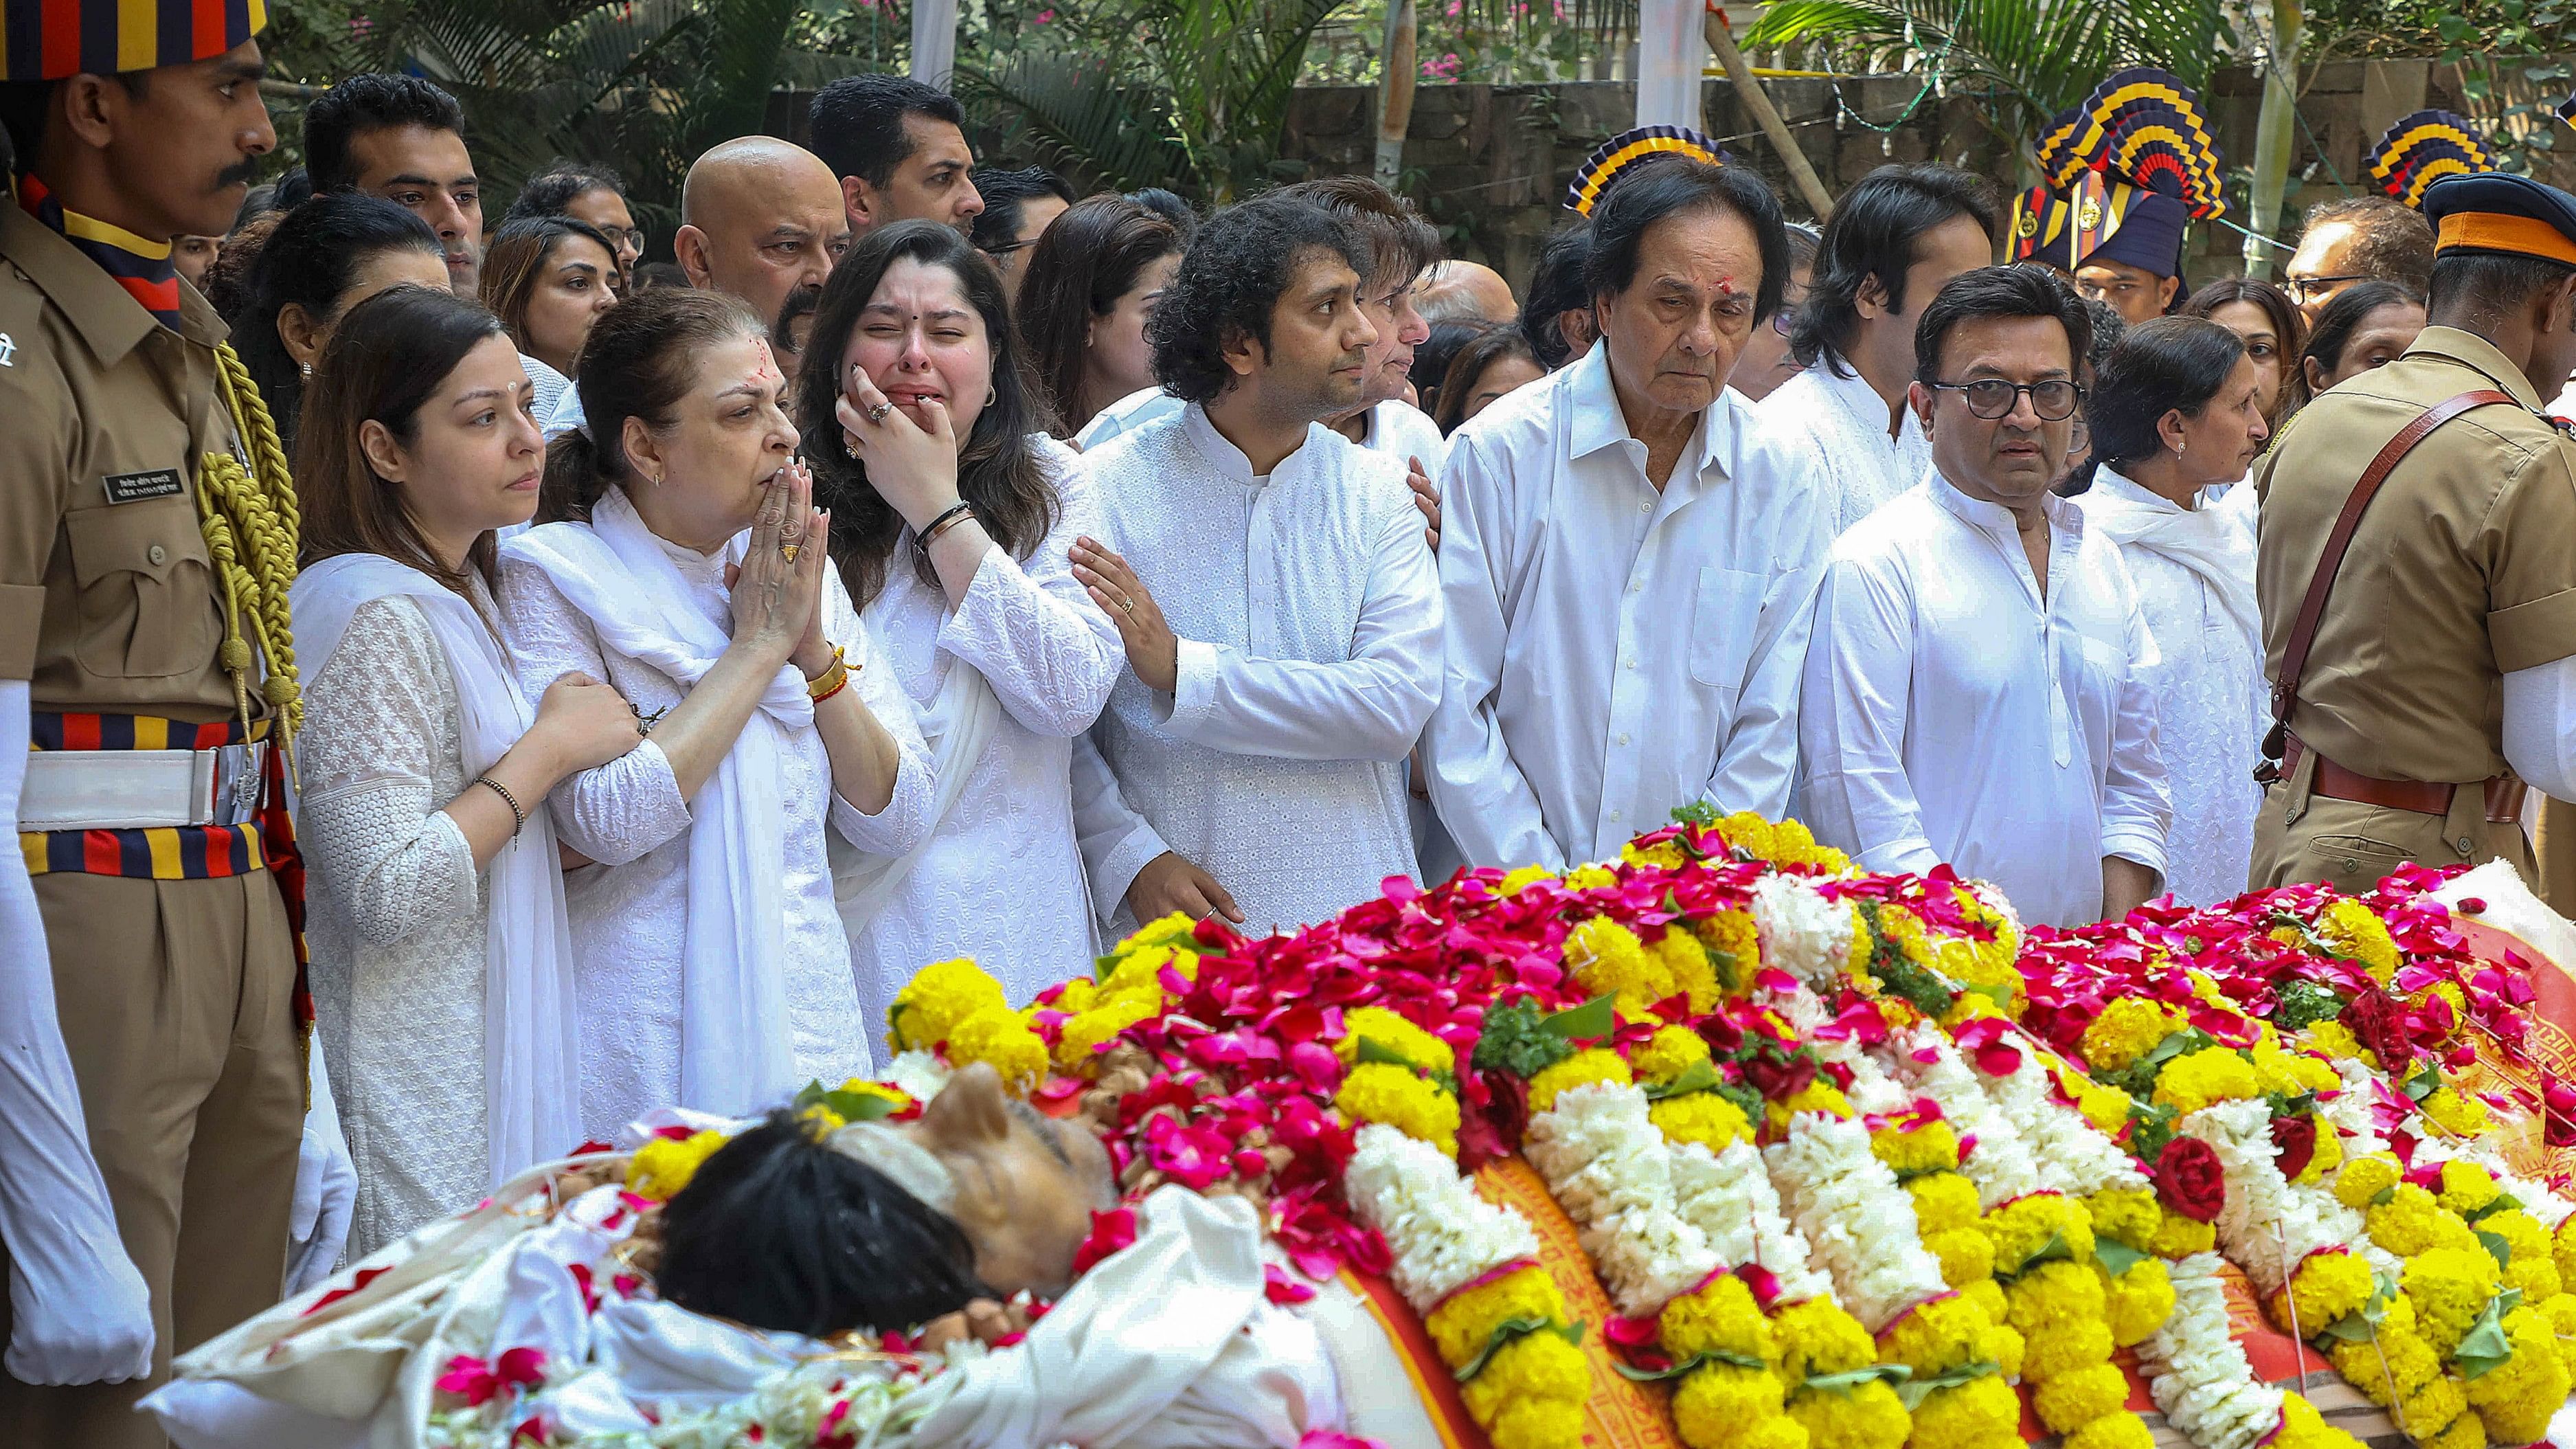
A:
(761, 219)
(1456, 291)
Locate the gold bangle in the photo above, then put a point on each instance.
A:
(834, 675)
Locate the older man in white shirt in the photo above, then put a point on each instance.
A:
(1629, 574)
(1280, 614)
(1895, 238)
(1980, 686)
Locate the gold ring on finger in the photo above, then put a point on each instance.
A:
(787, 551)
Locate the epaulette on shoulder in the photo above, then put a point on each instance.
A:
(22, 313)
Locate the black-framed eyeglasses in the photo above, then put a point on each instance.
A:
(1780, 321)
(2310, 289)
(1991, 397)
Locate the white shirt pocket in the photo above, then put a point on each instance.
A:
(1728, 610)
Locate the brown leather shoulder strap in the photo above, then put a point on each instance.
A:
(2303, 631)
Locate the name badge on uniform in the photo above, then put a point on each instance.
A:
(135, 487)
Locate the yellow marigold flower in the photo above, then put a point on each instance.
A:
(1686, 961)
(1667, 856)
(1988, 1295)
(2562, 1246)
(1464, 1323)
(2409, 1222)
(1863, 944)
(2071, 1400)
(2466, 1432)
(2444, 1401)
(2302, 1427)
(2448, 993)
(1867, 1417)
(1537, 1424)
(1721, 1317)
(1071, 997)
(2456, 1112)
(1734, 933)
(662, 1167)
(2406, 1357)
(1606, 956)
(2449, 1288)
(1390, 1032)
(2205, 1078)
(1904, 930)
(1717, 1401)
(1966, 1255)
(2107, 1108)
(2128, 1216)
(937, 998)
(2332, 1039)
(1600, 1064)
(1817, 1096)
(2290, 1073)
(1750, 833)
(2325, 1288)
(2180, 1237)
(1943, 1202)
(1668, 1053)
(1002, 1039)
(1935, 1337)
(2137, 1302)
(1077, 1044)
(2365, 1178)
(1420, 1109)
(1983, 1413)
(1702, 1117)
(1514, 882)
(1532, 1366)
(2025, 1225)
(2355, 933)
(2004, 1344)
(2518, 1397)
(1968, 1006)
(1590, 877)
(2122, 1431)
(2326, 1158)
(2560, 1310)
(1139, 970)
(1930, 1147)
(1817, 1336)
(2064, 1348)
(2467, 1187)
(1782, 1432)
(1171, 929)
(2523, 1235)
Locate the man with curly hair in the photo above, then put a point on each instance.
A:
(1280, 614)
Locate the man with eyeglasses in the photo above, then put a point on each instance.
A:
(1978, 689)
(2358, 239)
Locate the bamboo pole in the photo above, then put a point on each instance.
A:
(2274, 129)
(1758, 101)
(1397, 69)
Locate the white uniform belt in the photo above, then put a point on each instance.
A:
(141, 789)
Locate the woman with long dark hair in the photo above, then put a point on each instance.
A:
(2263, 318)
(548, 278)
(682, 560)
(957, 515)
(2176, 411)
(442, 974)
(1491, 365)
(327, 256)
(2367, 325)
(1093, 279)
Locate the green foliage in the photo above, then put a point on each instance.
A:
(1516, 1040)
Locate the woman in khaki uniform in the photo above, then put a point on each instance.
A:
(2417, 581)
(146, 684)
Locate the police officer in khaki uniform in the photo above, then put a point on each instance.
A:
(2418, 567)
(146, 687)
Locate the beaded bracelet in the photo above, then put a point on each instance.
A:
(517, 815)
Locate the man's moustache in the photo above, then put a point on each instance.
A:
(240, 173)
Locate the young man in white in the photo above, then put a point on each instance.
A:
(1980, 688)
(1280, 613)
(1629, 573)
(1895, 238)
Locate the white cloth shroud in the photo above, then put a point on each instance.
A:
(531, 1024)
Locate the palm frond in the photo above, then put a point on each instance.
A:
(1075, 111)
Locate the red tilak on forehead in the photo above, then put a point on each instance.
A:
(1726, 285)
(766, 370)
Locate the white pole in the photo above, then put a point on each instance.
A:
(934, 41)
(1671, 53)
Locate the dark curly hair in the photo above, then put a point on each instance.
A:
(999, 469)
(1230, 282)
(552, 191)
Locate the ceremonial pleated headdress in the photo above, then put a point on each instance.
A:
(46, 40)
(2124, 174)
(1628, 148)
(2422, 149)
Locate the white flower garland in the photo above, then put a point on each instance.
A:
(1803, 931)
(2001, 1164)
(1607, 1165)
(2072, 1155)
(1859, 1223)
(2268, 1226)
(2196, 1372)
(1728, 1196)
(1440, 1232)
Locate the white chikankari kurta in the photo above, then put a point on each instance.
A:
(1951, 713)
(1834, 429)
(1614, 651)
(629, 912)
(1001, 879)
(1309, 618)
(2194, 571)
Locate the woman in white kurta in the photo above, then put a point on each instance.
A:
(442, 975)
(2177, 413)
(713, 970)
(911, 370)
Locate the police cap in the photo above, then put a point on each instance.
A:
(2501, 214)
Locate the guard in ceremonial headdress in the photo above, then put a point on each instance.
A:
(2417, 581)
(2142, 134)
(153, 1097)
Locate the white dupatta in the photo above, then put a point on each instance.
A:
(531, 1042)
(956, 726)
(2215, 540)
(735, 1055)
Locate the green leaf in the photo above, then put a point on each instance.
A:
(1507, 1331)
(1371, 1051)
(2116, 1257)
(1698, 812)
(2484, 1348)
(2498, 1248)
(1914, 1391)
(2503, 1202)
(2054, 1249)
(1516, 1040)
(2362, 1324)
(1850, 1379)
(1699, 1076)
(2382, 1197)
(1592, 1019)
(1634, 1374)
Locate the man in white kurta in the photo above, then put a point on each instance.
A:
(1618, 643)
(1284, 649)
(1894, 239)
(1980, 688)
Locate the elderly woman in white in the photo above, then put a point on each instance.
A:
(957, 513)
(2176, 415)
(712, 966)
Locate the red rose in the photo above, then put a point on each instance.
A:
(2190, 1181)
(2294, 1142)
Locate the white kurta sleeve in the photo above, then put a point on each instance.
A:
(2540, 726)
(1116, 842)
(1852, 711)
(1759, 757)
(1032, 630)
(906, 819)
(372, 827)
(2137, 800)
(624, 809)
(1477, 789)
(1371, 706)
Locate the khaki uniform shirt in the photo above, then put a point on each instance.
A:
(2463, 568)
(108, 602)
